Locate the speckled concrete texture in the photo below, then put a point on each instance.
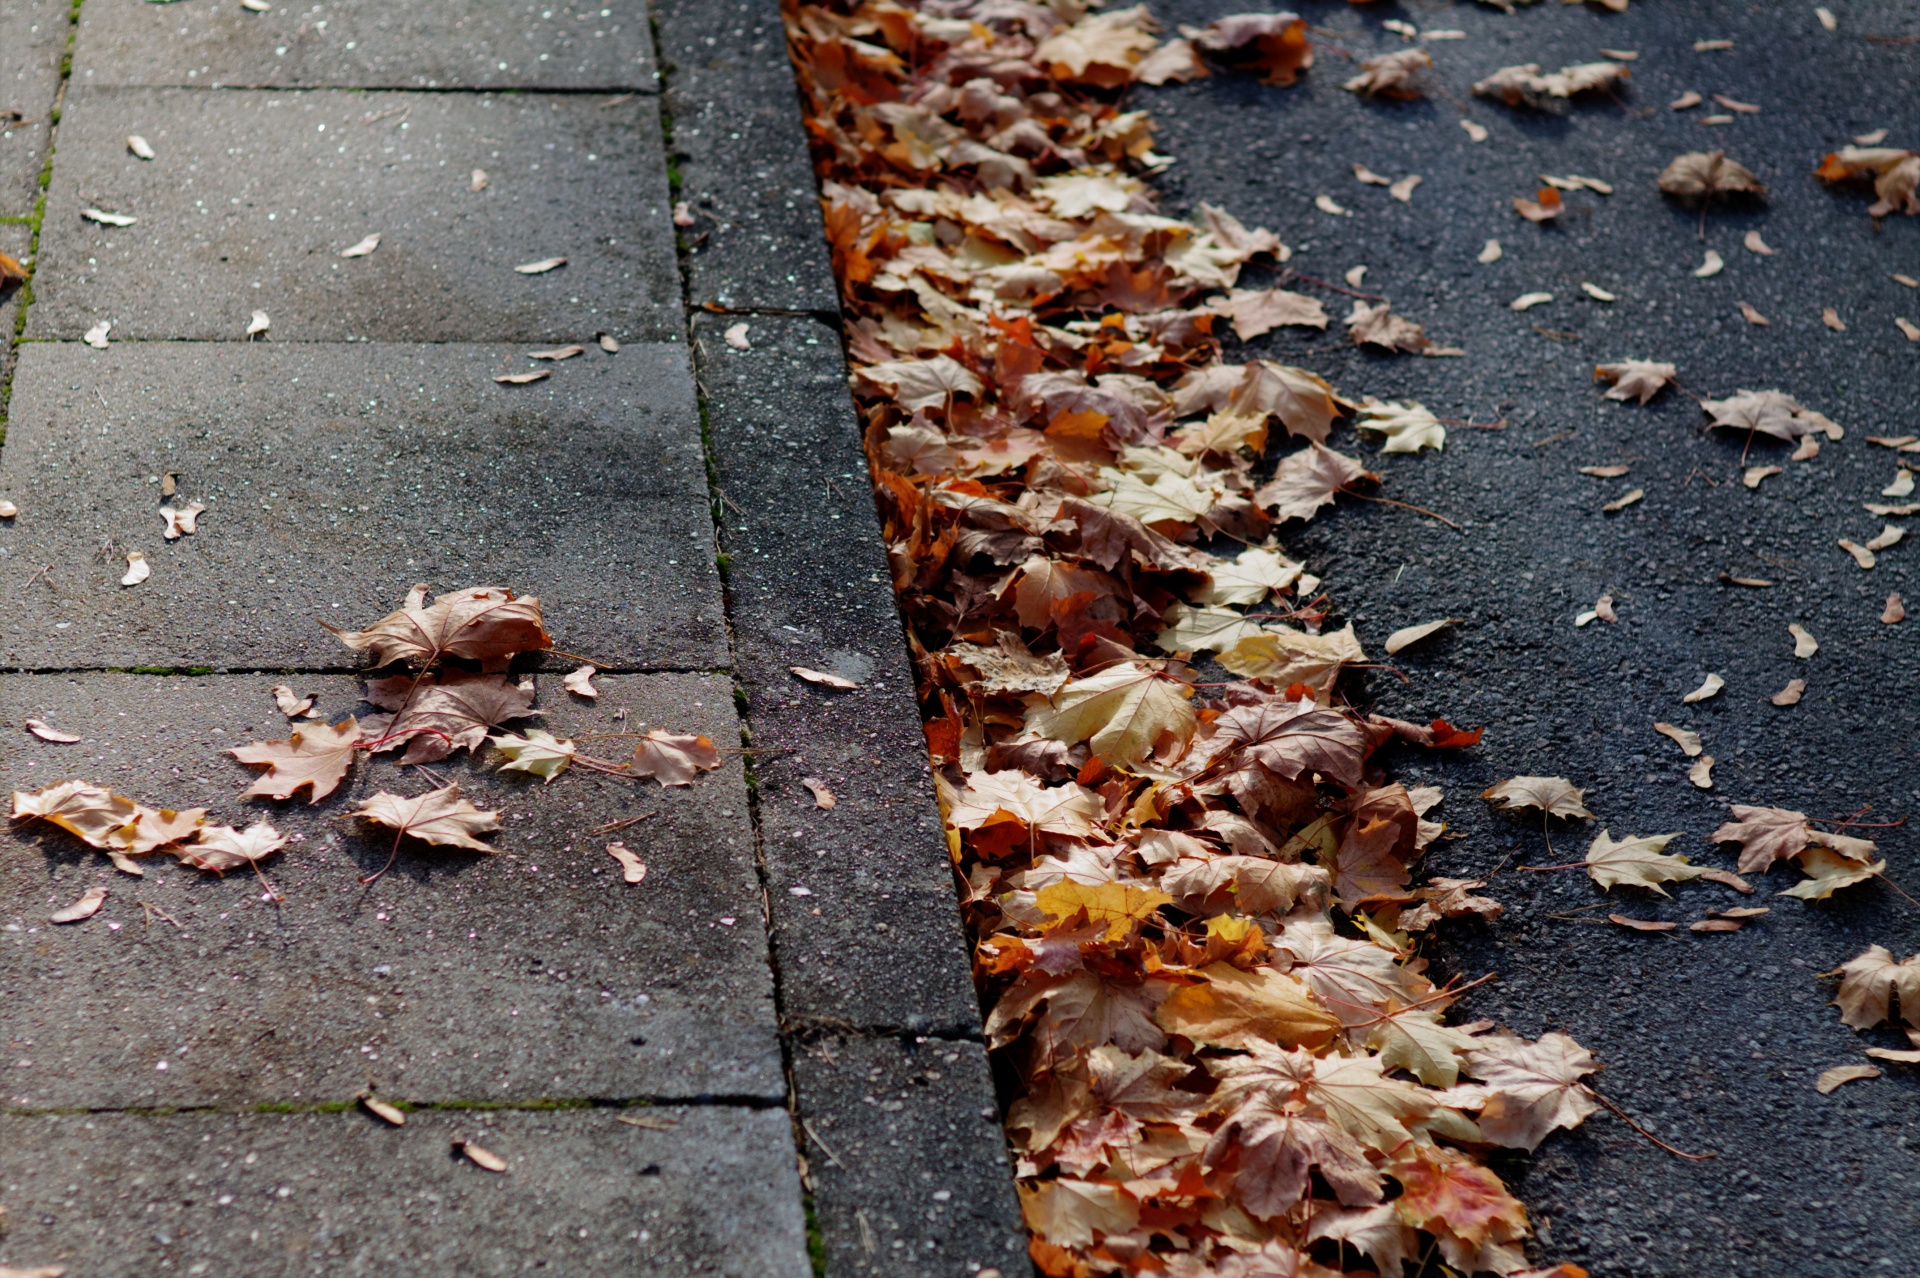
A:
(535, 972)
(866, 923)
(252, 197)
(756, 238)
(334, 478)
(33, 36)
(439, 44)
(910, 1170)
(708, 1191)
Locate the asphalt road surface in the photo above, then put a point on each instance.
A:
(1713, 1041)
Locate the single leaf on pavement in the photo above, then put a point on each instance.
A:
(484, 1159)
(1701, 175)
(1637, 862)
(1408, 425)
(483, 623)
(1872, 978)
(674, 758)
(1768, 413)
(89, 812)
(1637, 379)
(1708, 687)
(221, 847)
(1839, 1074)
(541, 267)
(393, 1115)
(822, 678)
(1641, 925)
(315, 755)
(290, 703)
(439, 816)
(1555, 796)
(1766, 835)
(1689, 742)
(823, 797)
(45, 733)
(1407, 636)
(580, 682)
(541, 753)
(85, 908)
(632, 868)
(1828, 872)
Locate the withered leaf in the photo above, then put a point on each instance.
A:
(1804, 644)
(541, 267)
(1390, 75)
(1768, 413)
(1555, 796)
(1407, 636)
(674, 758)
(90, 812)
(45, 733)
(290, 703)
(1637, 862)
(558, 353)
(1378, 326)
(632, 868)
(220, 848)
(1766, 835)
(823, 797)
(822, 678)
(1791, 694)
(440, 817)
(362, 248)
(1641, 925)
(138, 570)
(540, 753)
(316, 755)
(85, 908)
(392, 1115)
(436, 714)
(1122, 713)
(486, 624)
(484, 1159)
(1689, 742)
(1710, 686)
(1841, 1074)
(1701, 175)
(1307, 480)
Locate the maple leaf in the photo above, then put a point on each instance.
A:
(1408, 425)
(220, 848)
(1450, 1196)
(1203, 629)
(540, 753)
(1275, 43)
(1869, 980)
(1354, 979)
(439, 817)
(993, 798)
(484, 624)
(1307, 480)
(1637, 862)
(1251, 884)
(1413, 1039)
(434, 717)
(1635, 378)
(1178, 500)
(1122, 713)
(1012, 667)
(1291, 739)
(1232, 1008)
(1769, 413)
(1701, 175)
(1531, 1089)
(1255, 313)
(1073, 1213)
(1829, 871)
(1283, 656)
(1443, 898)
(1303, 401)
(1390, 75)
(89, 812)
(1278, 1150)
(1895, 174)
(1141, 1085)
(674, 758)
(917, 383)
(1378, 1232)
(1117, 906)
(1223, 432)
(1249, 578)
(1356, 1093)
(315, 755)
(1379, 326)
(1765, 835)
(154, 828)
(1555, 796)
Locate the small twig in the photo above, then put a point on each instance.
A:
(623, 823)
(1388, 501)
(832, 1157)
(42, 573)
(154, 911)
(1621, 1114)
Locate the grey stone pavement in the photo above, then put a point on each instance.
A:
(762, 1060)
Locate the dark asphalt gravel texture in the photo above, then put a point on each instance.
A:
(1712, 1041)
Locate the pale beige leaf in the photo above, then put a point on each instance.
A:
(392, 1115)
(85, 908)
(1831, 318)
(1861, 555)
(1828, 872)
(89, 812)
(632, 868)
(1641, 925)
(220, 848)
(1804, 644)
(1889, 536)
(1637, 862)
(107, 219)
(1555, 796)
(1475, 132)
(1895, 612)
(1710, 686)
(1625, 500)
(1710, 267)
(1840, 1074)
(440, 817)
(45, 733)
(1283, 656)
(1407, 636)
(1635, 378)
(1755, 244)
(1407, 425)
(540, 267)
(1605, 472)
(1123, 713)
(290, 703)
(823, 797)
(1307, 480)
(1531, 1089)
(539, 753)
(558, 353)
(1868, 983)
(363, 248)
(484, 1159)
(822, 678)
(1689, 741)
(1490, 252)
(674, 758)
(487, 624)
(1753, 475)
(524, 379)
(994, 797)
(139, 146)
(1791, 694)
(1701, 773)
(1597, 293)
(1527, 301)
(580, 682)
(138, 570)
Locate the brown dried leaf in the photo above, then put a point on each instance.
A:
(220, 848)
(1555, 796)
(439, 817)
(45, 733)
(482, 623)
(674, 758)
(484, 1159)
(632, 868)
(1635, 379)
(1699, 175)
(315, 755)
(822, 796)
(85, 908)
(822, 678)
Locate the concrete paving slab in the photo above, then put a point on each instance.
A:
(745, 174)
(441, 44)
(864, 910)
(337, 476)
(252, 197)
(279, 1195)
(534, 973)
(909, 1167)
(33, 36)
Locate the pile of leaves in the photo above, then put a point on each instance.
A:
(1193, 900)
(449, 690)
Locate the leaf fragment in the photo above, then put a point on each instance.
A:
(1635, 379)
(580, 682)
(363, 247)
(1753, 475)
(1755, 244)
(1689, 742)
(1527, 301)
(96, 336)
(1407, 636)
(1605, 472)
(1754, 317)
(1490, 252)
(823, 797)
(139, 146)
(1710, 267)
(484, 1159)
(540, 267)
(1895, 612)
(1475, 132)
(540, 753)
(1625, 500)
(524, 379)
(107, 219)
(1701, 773)
(1804, 644)
(392, 1115)
(1641, 925)
(1791, 694)
(632, 868)
(259, 324)
(736, 337)
(85, 908)
(1709, 686)
(1701, 175)
(138, 570)
(822, 678)
(478, 181)
(40, 729)
(558, 353)
(1597, 293)
(182, 521)
(674, 758)
(1842, 1074)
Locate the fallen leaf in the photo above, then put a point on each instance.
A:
(8, 510)
(1307, 480)
(439, 817)
(1532, 1089)
(736, 337)
(96, 336)
(1791, 694)
(1804, 644)
(41, 730)
(484, 1159)
(1490, 252)
(1712, 46)
(1757, 245)
(1637, 862)
(181, 522)
(1545, 205)
(683, 214)
(1597, 293)
(389, 1114)
(1701, 773)
(674, 758)
(558, 353)
(1367, 175)
(1115, 906)
(1768, 413)
(648, 1121)
(1475, 132)
(363, 247)
(1408, 426)
(1828, 872)
(822, 678)
(258, 324)
(1326, 204)
(540, 753)
(608, 343)
(1403, 189)
(290, 703)
(1831, 318)
(1527, 301)
(1754, 317)
(1701, 175)
(1869, 981)
(1555, 796)
(220, 848)
(1908, 328)
(1902, 485)
(1831, 23)
(486, 624)
(1526, 86)
(1257, 312)
(1765, 835)
(1390, 75)
(1635, 379)
(1231, 1008)
(139, 146)
(1356, 276)
(1685, 100)
(1716, 925)
(1622, 502)
(1711, 267)
(580, 682)
(1378, 326)
(1731, 880)
(1689, 742)
(479, 180)
(1641, 925)
(315, 755)
(138, 570)
(1907, 280)
(1605, 472)
(85, 908)
(632, 868)
(1708, 687)
(1123, 711)
(107, 219)
(1888, 537)
(541, 267)
(822, 796)
(1895, 612)
(1744, 108)
(1895, 175)
(1407, 636)
(524, 379)
(1840, 1074)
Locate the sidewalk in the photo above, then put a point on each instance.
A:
(182, 1069)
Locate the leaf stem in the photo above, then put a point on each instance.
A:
(1621, 1114)
(1404, 505)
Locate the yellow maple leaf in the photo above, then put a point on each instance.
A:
(1118, 905)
